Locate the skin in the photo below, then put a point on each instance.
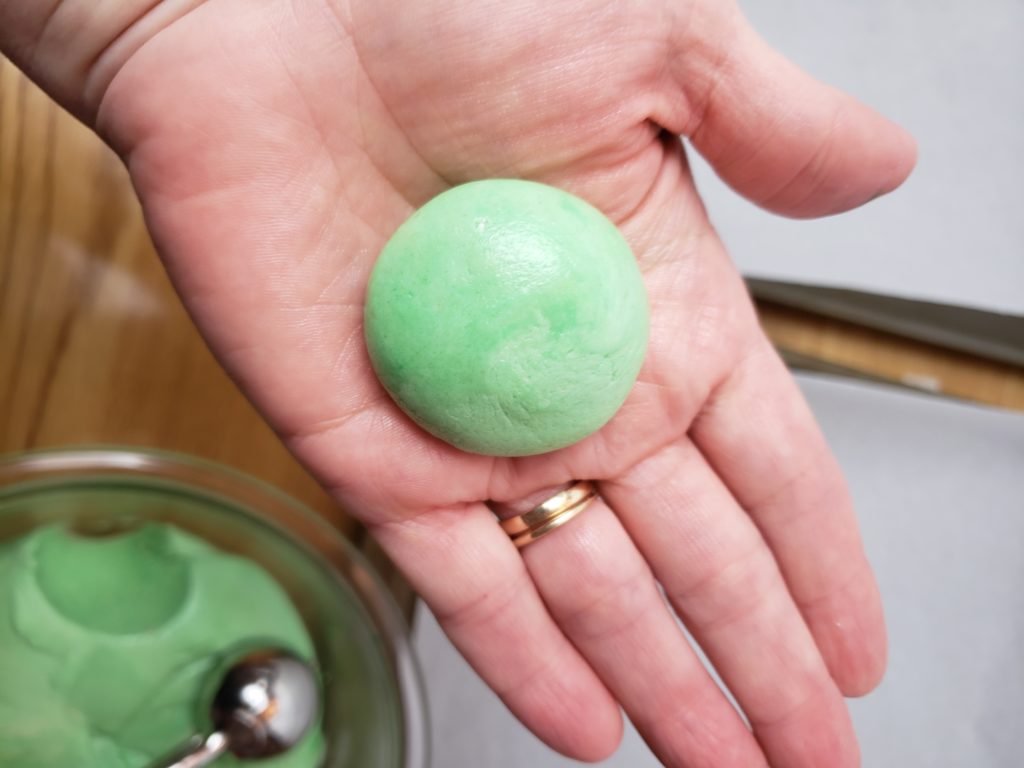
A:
(275, 146)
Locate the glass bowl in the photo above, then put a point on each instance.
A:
(374, 712)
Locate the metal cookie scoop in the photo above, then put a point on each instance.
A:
(264, 703)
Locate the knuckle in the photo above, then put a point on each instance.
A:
(727, 592)
(610, 607)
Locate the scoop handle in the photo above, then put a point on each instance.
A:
(198, 753)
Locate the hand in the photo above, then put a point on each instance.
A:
(276, 145)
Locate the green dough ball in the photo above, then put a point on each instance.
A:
(507, 318)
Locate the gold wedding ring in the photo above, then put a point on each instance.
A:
(551, 514)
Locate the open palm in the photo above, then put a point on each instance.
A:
(277, 144)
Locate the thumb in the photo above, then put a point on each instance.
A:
(776, 135)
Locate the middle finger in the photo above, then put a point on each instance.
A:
(722, 578)
(602, 593)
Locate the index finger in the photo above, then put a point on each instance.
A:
(762, 440)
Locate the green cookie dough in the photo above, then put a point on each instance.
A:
(507, 318)
(105, 644)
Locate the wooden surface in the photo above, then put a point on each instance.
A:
(816, 342)
(94, 346)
